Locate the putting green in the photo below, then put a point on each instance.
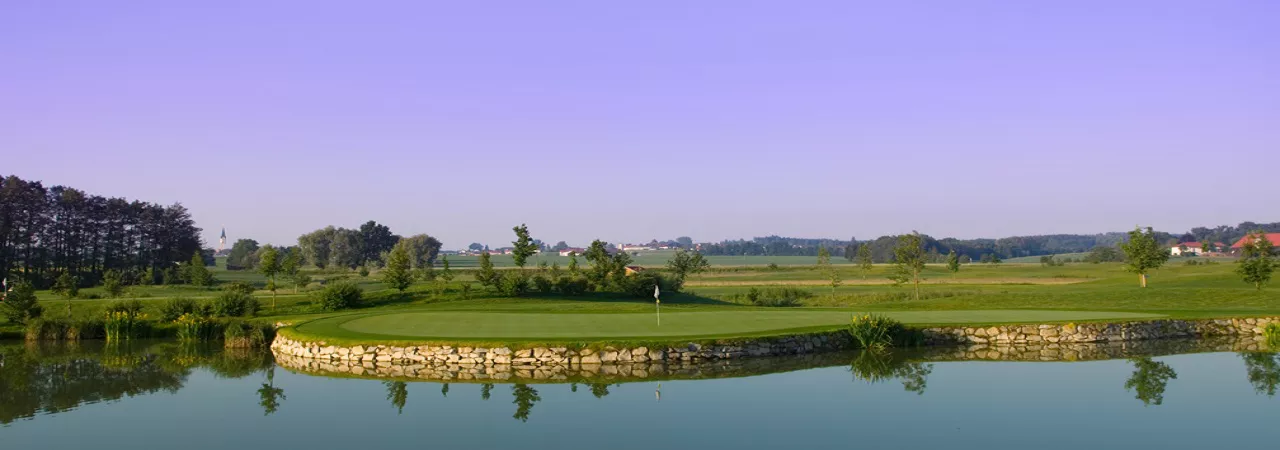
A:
(471, 325)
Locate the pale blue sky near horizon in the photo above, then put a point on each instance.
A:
(640, 120)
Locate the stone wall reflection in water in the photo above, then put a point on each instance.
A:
(36, 379)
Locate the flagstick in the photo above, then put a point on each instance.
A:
(658, 304)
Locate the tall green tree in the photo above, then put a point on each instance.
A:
(864, 259)
(684, 263)
(20, 304)
(909, 258)
(241, 256)
(953, 262)
(446, 273)
(269, 266)
(68, 286)
(1257, 260)
(486, 276)
(523, 247)
(196, 273)
(573, 263)
(1143, 253)
(399, 271)
(828, 270)
(113, 283)
(292, 266)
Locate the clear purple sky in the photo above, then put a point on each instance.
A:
(713, 119)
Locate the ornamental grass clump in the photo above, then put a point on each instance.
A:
(194, 328)
(1272, 333)
(875, 332)
(241, 334)
(124, 325)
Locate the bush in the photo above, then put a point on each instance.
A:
(174, 308)
(239, 286)
(113, 283)
(364, 271)
(20, 304)
(780, 296)
(1272, 333)
(512, 283)
(773, 266)
(338, 296)
(641, 284)
(234, 303)
(875, 332)
(572, 285)
(543, 284)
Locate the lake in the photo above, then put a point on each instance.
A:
(164, 395)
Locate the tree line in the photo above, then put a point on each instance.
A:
(367, 246)
(52, 232)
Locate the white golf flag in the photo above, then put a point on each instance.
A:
(655, 292)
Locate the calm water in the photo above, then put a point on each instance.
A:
(165, 396)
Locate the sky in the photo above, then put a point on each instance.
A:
(629, 121)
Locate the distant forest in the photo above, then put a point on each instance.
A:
(47, 231)
(1010, 247)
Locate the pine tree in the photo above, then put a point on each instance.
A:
(398, 273)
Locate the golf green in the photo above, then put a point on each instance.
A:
(470, 325)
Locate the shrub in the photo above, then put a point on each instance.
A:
(773, 266)
(875, 332)
(113, 283)
(63, 329)
(234, 303)
(66, 285)
(641, 284)
(239, 286)
(466, 291)
(543, 284)
(364, 271)
(512, 283)
(20, 305)
(174, 308)
(1272, 333)
(572, 285)
(338, 296)
(778, 296)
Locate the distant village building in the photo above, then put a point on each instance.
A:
(1194, 248)
(572, 250)
(1239, 245)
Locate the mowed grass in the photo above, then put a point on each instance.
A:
(490, 326)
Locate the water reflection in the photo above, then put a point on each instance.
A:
(1263, 370)
(525, 398)
(269, 394)
(48, 379)
(398, 394)
(880, 366)
(1149, 380)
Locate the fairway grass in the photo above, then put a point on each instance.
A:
(464, 326)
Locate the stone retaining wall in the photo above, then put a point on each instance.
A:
(460, 354)
(1097, 332)
(769, 346)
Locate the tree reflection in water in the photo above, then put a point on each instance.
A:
(398, 394)
(269, 395)
(485, 389)
(525, 398)
(1149, 380)
(1263, 370)
(876, 367)
(600, 390)
(47, 379)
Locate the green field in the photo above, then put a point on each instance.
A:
(497, 326)
(714, 303)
